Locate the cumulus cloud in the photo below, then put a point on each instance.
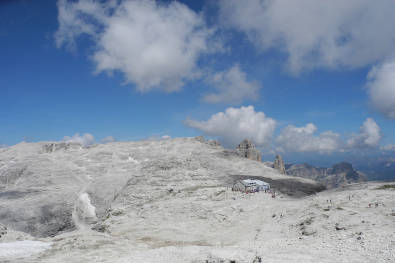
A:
(328, 34)
(381, 86)
(236, 124)
(233, 87)
(368, 137)
(85, 139)
(108, 139)
(304, 139)
(154, 45)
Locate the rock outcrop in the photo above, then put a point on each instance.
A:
(247, 149)
(336, 176)
(279, 164)
(3, 231)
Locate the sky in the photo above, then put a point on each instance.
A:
(311, 80)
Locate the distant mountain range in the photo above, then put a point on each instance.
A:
(338, 175)
(383, 170)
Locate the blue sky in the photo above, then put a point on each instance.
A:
(140, 69)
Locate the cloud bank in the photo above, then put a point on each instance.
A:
(155, 46)
(326, 34)
(236, 124)
(303, 139)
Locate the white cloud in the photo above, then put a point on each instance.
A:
(236, 124)
(352, 33)
(381, 85)
(154, 45)
(368, 137)
(303, 139)
(108, 139)
(388, 147)
(85, 140)
(233, 87)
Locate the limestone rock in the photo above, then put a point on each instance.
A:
(48, 193)
(279, 164)
(247, 149)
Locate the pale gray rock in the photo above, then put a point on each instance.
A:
(45, 192)
(279, 164)
(247, 149)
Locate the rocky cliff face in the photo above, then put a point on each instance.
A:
(50, 188)
(247, 149)
(338, 175)
(279, 164)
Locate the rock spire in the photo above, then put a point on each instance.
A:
(247, 149)
(279, 164)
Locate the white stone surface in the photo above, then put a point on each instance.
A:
(168, 201)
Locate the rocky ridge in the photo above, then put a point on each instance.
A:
(338, 175)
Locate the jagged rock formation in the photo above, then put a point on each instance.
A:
(247, 149)
(279, 164)
(338, 175)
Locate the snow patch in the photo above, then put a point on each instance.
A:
(84, 212)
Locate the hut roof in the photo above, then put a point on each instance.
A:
(251, 182)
